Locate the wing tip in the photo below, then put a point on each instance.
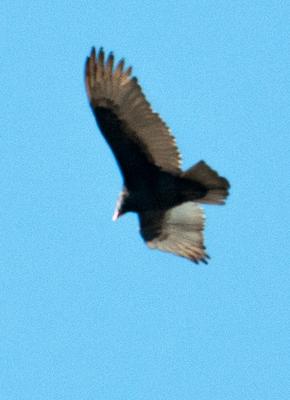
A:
(93, 52)
(203, 258)
(105, 65)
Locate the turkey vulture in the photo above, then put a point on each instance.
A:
(165, 198)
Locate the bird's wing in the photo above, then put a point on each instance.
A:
(178, 230)
(135, 133)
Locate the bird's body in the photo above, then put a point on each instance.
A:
(155, 187)
(162, 191)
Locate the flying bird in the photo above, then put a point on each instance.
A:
(166, 199)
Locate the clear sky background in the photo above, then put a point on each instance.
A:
(87, 312)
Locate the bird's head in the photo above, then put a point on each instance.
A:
(121, 205)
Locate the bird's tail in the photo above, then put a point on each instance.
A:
(217, 186)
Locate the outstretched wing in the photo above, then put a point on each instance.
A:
(137, 136)
(178, 230)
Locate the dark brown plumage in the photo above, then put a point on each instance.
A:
(165, 198)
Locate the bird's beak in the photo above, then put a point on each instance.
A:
(116, 215)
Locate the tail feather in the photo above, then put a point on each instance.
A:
(217, 186)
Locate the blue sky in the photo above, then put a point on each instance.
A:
(86, 310)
